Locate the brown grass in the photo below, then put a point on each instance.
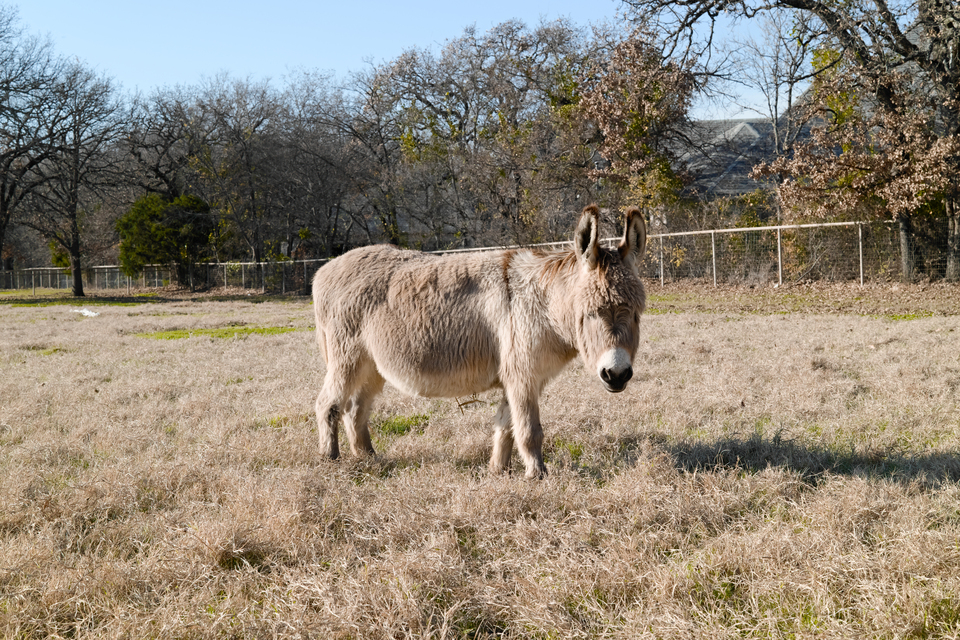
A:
(766, 475)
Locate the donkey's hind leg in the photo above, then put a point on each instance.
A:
(357, 414)
(329, 411)
(502, 439)
(339, 385)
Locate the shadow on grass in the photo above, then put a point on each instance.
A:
(749, 454)
(755, 453)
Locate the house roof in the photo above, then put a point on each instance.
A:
(720, 154)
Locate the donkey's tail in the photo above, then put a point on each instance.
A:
(322, 342)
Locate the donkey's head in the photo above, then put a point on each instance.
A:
(609, 297)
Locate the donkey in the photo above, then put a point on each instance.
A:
(456, 325)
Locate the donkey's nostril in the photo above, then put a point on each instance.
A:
(616, 380)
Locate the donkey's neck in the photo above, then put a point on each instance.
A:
(552, 277)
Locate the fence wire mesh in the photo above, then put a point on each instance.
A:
(864, 251)
(760, 255)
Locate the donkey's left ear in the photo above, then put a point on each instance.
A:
(586, 243)
(634, 239)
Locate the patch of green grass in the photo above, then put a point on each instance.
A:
(898, 317)
(402, 425)
(39, 291)
(280, 422)
(574, 449)
(42, 349)
(940, 618)
(216, 332)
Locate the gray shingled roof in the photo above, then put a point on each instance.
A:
(721, 154)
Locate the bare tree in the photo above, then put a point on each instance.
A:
(366, 118)
(779, 67)
(28, 70)
(81, 165)
(239, 147)
(165, 133)
(314, 170)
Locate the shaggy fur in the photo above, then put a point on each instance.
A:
(456, 325)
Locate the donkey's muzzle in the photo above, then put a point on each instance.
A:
(616, 381)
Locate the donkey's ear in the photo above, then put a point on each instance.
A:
(585, 240)
(634, 239)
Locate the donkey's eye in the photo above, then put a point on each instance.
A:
(623, 314)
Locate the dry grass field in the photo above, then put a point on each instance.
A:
(785, 464)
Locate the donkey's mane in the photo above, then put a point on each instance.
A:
(554, 263)
(561, 261)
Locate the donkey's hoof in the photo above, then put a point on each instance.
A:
(332, 453)
(537, 473)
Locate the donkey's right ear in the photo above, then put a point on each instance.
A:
(586, 238)
(634, 239)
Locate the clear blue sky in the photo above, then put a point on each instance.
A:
(144, 45)
(148, 45)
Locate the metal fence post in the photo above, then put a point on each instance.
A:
(661, 261)
(713, 255)
(779, 260)
(860, 241)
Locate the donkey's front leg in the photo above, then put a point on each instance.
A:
(502, 439)
(527, 432)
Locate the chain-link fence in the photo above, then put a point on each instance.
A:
(842, 251)
(839, 251)
(265, 277)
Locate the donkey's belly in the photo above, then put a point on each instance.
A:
(434, 387)
(437, 370)
(441, 340)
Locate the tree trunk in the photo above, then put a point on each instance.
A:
(74, 251)
(953, 239)
(906, 248)
(77, 275)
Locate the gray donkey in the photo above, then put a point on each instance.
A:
(456, 325)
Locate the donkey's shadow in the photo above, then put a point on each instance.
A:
(755, 453)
